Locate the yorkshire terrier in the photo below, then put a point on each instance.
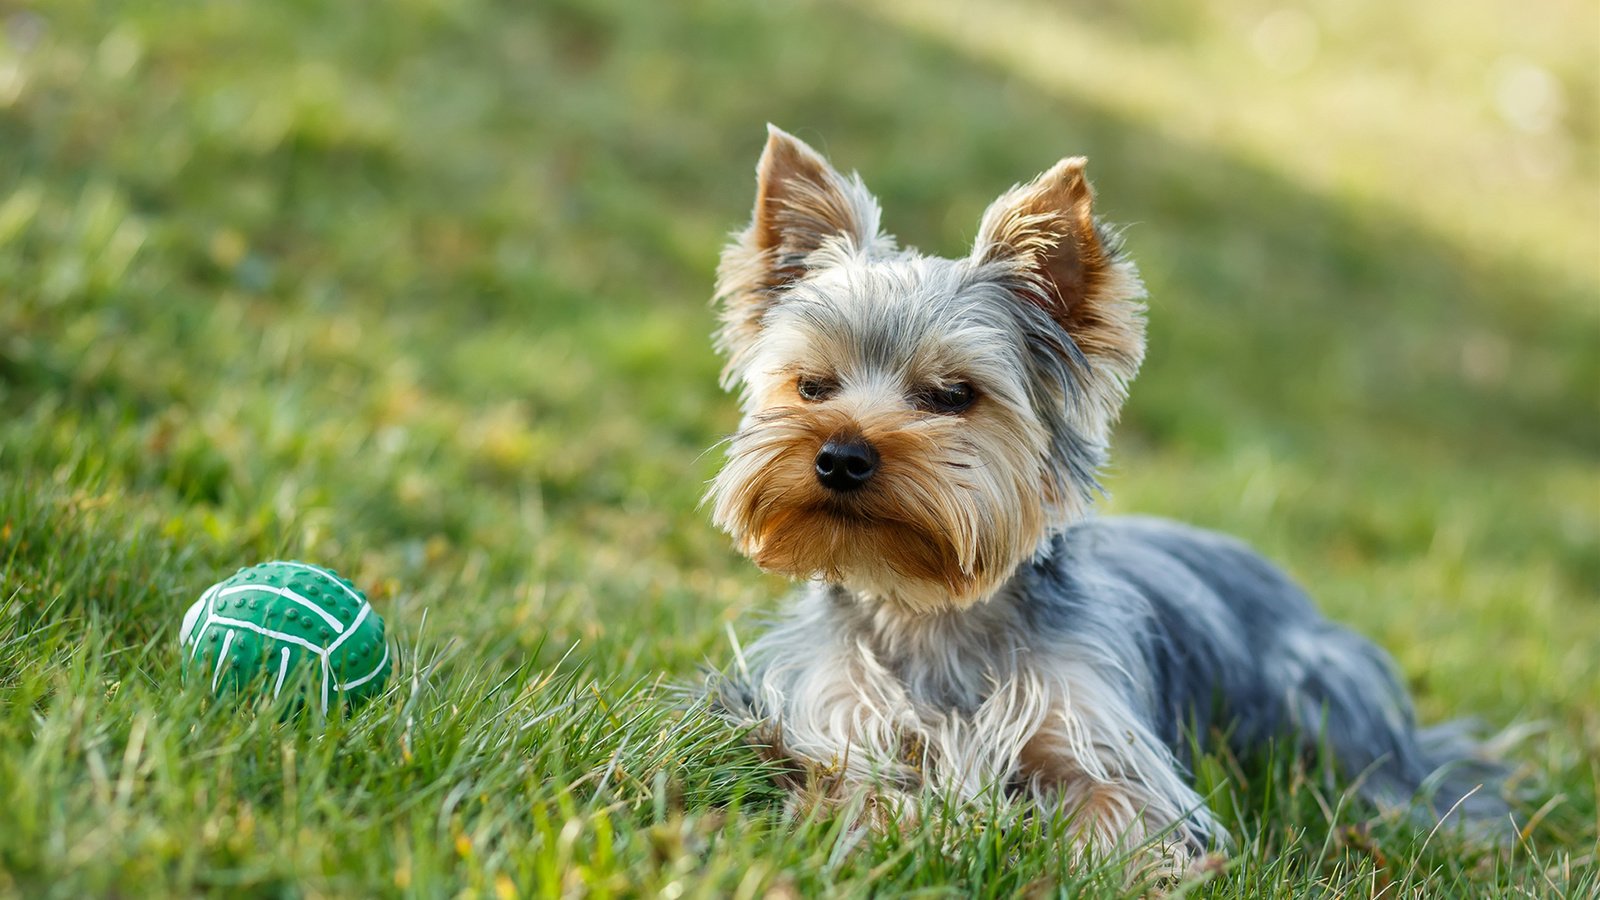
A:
(920, 441)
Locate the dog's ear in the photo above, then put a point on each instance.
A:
(1046, 232)
(802, 205)
(801, 202)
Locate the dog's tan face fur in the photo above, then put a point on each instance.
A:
(985, 385)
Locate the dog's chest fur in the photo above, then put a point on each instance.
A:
(949, 664)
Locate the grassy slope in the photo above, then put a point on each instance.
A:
(421, 295)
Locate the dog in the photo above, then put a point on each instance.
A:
(920, 442)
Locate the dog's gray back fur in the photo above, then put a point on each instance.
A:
(1231, 646)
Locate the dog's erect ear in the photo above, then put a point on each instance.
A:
(802, 205)
(802, 202)
(1072, 268)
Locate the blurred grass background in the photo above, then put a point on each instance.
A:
(419, 290)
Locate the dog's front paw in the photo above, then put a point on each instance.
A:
(866, 808)
(1162, 867)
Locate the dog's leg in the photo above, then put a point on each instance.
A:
(1097, 761)
(827, 711)
(1110, 817)
(1343, 692)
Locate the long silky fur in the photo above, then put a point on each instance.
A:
(970, 629)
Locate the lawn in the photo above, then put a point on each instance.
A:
(419, 290)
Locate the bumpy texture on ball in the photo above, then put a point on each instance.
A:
(260, 626)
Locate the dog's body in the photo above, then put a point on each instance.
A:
(921, 438)
(1084, 682)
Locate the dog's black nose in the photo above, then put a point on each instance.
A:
(844, 464)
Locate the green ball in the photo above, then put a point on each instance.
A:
(260, 628)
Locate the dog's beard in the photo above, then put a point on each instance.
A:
(942, 523)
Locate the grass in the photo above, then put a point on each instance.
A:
(420, 292)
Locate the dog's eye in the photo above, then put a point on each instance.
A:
(949, 399)
(815, 389)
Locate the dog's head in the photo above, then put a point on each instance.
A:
(916, 427)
